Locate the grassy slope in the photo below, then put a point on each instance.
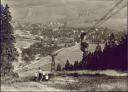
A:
(71, 53)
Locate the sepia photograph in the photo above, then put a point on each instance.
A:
(63, 45)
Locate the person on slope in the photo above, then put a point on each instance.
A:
(39, 74)
(36, 76)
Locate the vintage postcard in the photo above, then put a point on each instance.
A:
(63, 45)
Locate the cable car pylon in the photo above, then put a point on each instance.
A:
(53, 62)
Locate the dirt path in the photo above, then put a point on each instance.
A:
(27, 86)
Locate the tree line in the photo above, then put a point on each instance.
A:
(8, 51)
(113, 56)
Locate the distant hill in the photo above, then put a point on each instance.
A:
(77, 13)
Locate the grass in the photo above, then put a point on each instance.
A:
(92, 83)
(74, 53)
(76, 80)
(75, 83)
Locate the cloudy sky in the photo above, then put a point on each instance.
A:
(79, 13)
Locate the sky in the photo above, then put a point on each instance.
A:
(77, 13)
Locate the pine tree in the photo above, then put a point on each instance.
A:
(96, 57)
(76, 65)
(112, 40)
(7, 40)
(28, 55)
(115, 56)
(89, 63)
(108, 50)
(71, 67)
(58, 67)
(67, 65)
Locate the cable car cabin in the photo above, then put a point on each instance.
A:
(83, 44)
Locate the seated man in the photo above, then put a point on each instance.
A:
(46, 77)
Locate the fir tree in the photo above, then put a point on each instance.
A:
(67, 65)
(58, 67)
(76, 65)
(28, 55)
(112, 40)
(7, 40)
(97, 57)
(71, 67)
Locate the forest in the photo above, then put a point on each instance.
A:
(113, 56)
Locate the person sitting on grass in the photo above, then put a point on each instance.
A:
(46, 77)
(43, 75)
